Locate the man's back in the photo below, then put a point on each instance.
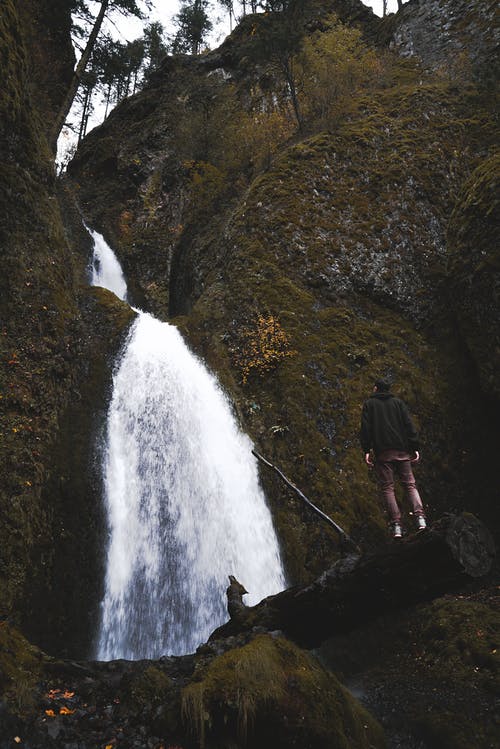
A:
(386, 425)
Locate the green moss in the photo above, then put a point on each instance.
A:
(20, 669)
(150, 688)
(457, 644)
(298, 240)
(270, 693)
(461, 638)
(474, 269)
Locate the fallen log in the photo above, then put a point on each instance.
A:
(453, 551)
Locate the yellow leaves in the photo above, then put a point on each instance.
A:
(125, 223)
(331, 65)
(263, 347)
(257, 136)
(177, 229)
(50, 713)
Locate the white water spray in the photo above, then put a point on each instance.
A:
(106, 270)
(184, 504)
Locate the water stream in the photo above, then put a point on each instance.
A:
(183, 500)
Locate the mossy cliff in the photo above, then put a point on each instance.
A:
(475, 270)
(301, 253)
(444, 33)
(321, 251)
(429, 673)
(47, 344)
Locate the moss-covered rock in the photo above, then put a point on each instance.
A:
(54, 342)
(62, 602)
(340, 237)
(430, 674)
(460, 639)
(474, 270)
(451, 36)
(21, 665)
(268, 693)
(37, 308)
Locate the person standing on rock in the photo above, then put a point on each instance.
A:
(390, 443)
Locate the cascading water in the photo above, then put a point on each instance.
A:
(106, 271)
(184, 504)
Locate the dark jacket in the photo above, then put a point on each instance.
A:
(387, 425)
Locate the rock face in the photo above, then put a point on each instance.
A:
(330, 251)
(450, 35)
(300, 262)
(49, 345)
(475, 270)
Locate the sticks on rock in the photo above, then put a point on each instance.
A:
(347, 544)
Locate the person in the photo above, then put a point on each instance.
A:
(390, 443)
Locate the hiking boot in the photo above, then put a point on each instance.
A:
(396, 530)
(421, 524)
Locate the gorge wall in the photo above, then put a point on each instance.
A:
(336, 236)
(300, 257)
(54, 343)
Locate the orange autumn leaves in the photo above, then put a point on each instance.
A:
(62, 711)
(262, 347)
(59, 694)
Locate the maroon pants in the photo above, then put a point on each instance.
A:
(388, 464)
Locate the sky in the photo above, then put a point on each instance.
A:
(165, 10)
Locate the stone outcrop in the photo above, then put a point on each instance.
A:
(475, 270)
(338, 246)
(450, 35)
(53, 364)
(340, 237)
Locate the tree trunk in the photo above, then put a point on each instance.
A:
(77, 75)
(356, 589)
(287, 66)
(84, 117)
(108, 96)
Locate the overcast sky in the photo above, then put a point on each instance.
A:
(165, 10)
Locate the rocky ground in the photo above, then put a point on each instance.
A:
(430, 675)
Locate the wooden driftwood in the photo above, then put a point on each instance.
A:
(453, 551)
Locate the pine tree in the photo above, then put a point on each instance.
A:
(127, 7)
(155, 47)
(193, 25)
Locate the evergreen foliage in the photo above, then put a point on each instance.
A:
(193, 24)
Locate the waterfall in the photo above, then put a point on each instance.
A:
(106, 271)
(183, 500)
